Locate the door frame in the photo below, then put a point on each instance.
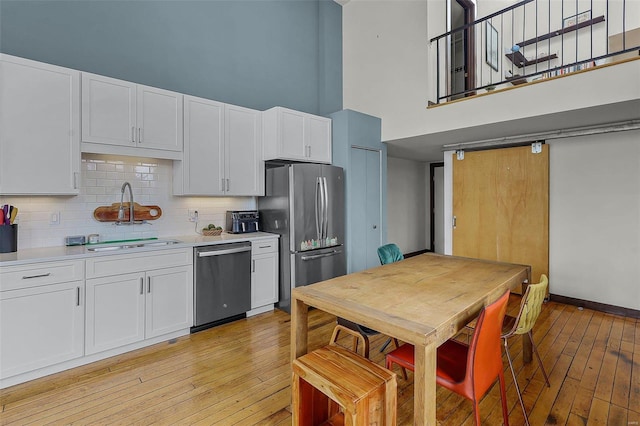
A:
(469, 41)
(432, 203)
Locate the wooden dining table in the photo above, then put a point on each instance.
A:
(423, 300)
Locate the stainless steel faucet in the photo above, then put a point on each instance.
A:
(121, 209)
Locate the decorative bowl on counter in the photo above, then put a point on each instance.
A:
(211, 232)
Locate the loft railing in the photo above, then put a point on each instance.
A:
(533, 40)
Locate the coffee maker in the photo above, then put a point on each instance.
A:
(240, 222)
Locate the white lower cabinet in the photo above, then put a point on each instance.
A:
(115, 312)
(125, 308)
(41, 316)
(264, 274)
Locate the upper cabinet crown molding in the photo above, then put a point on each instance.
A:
(120, 117)
(222, 150)
(39, 128)
(297, 136)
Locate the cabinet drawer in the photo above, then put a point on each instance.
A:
(264, 246)
(105, 266)
(42, 273)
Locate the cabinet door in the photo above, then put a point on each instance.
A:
(318, 139)
(39, 128)
(244, 168)
(115, 312)
(201, 172)
(292, 143)
(159, 116)
(108, 110)
(264, 280)
(169, 304)
(40, 326)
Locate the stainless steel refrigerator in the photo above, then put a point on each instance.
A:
(304, 203)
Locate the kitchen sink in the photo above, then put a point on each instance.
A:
(132, 244)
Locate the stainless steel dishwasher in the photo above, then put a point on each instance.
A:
(222, 284)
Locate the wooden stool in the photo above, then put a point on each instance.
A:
(334, 386)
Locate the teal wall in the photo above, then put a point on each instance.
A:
(253, 53)
(358, 148)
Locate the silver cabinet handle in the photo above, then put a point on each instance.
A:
(141, 285)
(77, 296)
(139, 134)
(75, 180)
(222, 184)
(148, 284)
(133, 134)
(28, 277)
(227, 185)
(253, 265)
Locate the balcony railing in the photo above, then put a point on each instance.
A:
(534, 40)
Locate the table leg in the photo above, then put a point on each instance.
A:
(299, 328)
(424, 386)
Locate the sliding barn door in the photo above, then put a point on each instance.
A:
(501, 207)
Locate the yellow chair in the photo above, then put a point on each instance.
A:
(522, 324)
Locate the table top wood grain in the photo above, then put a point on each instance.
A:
(416, 297)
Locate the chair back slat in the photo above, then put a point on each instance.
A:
(485, 358)
(532, 305)
(389, 253)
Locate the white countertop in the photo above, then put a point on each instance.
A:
(47, 254)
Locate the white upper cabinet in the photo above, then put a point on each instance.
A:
(39, 128)
(297, 136)
(244, 168)
(119, 117)
(222, 150)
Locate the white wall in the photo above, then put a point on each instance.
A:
(385, 60)
(594, 218)
(389, 72)
(101, 179)
(407, 204)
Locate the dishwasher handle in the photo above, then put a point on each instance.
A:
(221, 252)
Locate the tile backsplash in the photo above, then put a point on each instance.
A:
(102, 177)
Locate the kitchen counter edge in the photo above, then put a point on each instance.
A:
(58, 253)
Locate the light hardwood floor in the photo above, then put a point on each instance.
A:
(239, 374)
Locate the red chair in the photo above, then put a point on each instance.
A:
(468, 370)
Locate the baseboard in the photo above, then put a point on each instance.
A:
(602, 307)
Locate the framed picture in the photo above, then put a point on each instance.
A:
(576, 19)
(491, 46)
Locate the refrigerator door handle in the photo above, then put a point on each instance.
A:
(318, 256)
(326, 210)
(319, 209)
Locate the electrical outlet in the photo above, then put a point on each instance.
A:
(54, 219)
(193, 215)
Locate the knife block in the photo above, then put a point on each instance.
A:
(8, 238)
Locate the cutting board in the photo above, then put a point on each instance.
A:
(110, 213)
